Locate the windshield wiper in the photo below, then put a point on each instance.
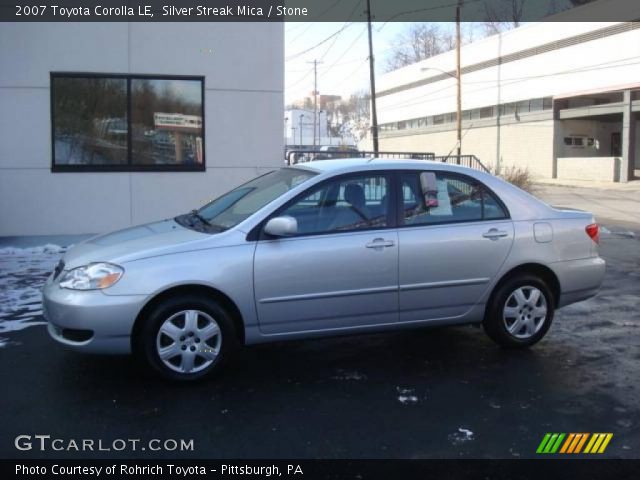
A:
(201, 218)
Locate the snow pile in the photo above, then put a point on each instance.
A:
(406, 395)
(49, 248)
(23, 272)
(349, 375)
(461, 436)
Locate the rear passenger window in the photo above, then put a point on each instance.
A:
(438, 197)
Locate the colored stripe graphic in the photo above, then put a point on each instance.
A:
(550, 443)
(597, 443)
(567, 443)
(543, 443)
(581, 443)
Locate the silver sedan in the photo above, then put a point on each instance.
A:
(325, 248)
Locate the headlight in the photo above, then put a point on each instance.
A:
(91, 277)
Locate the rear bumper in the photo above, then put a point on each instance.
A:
(90, 321)
(579, 279)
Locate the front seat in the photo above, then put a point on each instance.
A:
(354, 195)
(356, 214)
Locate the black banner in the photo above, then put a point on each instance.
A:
(316, 11)
(324, 469)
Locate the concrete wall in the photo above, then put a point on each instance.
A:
(244, 78)
(527, 145)
(603, 169)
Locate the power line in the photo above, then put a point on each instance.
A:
(325, 40)
(426, 9)
(347, 50)
(300, 80)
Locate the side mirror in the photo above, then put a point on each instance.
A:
(281, 226)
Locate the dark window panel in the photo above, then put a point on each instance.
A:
(127, 122)
(90, 121)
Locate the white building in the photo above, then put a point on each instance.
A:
(105, 125)
(560, 98)
(299, 128)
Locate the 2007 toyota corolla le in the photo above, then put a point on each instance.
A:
(326, 248)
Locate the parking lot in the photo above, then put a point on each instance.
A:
(431, 393)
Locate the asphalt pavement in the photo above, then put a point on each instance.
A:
(430, 393)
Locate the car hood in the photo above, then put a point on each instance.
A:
(137, 242)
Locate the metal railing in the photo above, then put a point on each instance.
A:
(470, 161)
(299, 156)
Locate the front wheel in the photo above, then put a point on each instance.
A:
(187, 338)
(520, 312)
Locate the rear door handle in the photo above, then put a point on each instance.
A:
(494, 234)
(380, 243)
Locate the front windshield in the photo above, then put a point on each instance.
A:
(240, 203)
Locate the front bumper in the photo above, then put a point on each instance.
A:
(90, 321)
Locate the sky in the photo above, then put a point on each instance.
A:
(344, 68)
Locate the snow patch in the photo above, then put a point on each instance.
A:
(48, 248)
(23, 273)
(349, 375)
(406, 399)
(461, 436)
(406, 395)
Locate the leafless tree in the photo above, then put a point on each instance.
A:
(502, 15)
(419, 42)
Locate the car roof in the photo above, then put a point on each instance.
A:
(358, 163)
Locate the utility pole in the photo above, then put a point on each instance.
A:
(459, 79)
(372, 78)
(315, 99)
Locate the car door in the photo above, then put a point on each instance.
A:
(340, 270)
(454, 236)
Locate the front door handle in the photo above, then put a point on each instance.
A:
(380, 243)
(494, 234)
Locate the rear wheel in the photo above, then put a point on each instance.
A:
(520, 312)
(187, 338)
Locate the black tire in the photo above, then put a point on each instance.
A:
(496, 325)
(147, 341)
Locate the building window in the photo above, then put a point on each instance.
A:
(127, 123)
(574, 141)
(547, 103)
(536, 105)
(438, 119)
(522, 106)
(486, 112)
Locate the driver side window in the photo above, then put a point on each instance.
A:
(343, 204)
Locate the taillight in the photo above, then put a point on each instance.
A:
(593, 231)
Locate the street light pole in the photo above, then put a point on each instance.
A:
(300, 124)
(315, 99)
(459, 81)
